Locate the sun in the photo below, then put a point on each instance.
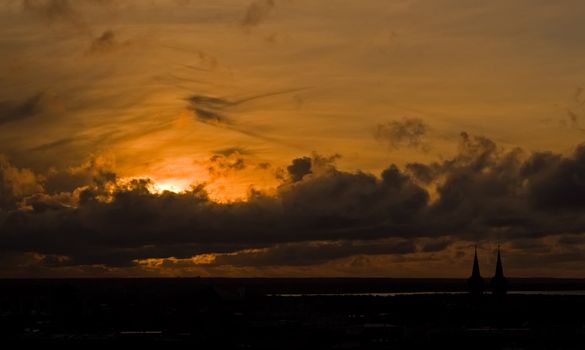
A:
(220, 191)
(172, 185)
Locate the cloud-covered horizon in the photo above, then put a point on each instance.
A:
(318, 215)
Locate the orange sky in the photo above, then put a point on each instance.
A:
(225, 93)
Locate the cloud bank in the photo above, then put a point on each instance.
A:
(318, 214)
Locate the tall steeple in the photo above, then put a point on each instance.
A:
(499, 268)
(499, 282)
(475, 282)
(475, 272)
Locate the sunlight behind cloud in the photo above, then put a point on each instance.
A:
(172, 185)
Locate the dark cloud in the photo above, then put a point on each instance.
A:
(318, 214)
(311, 253)
(232, 150)
(16, 184)
(222, 165)
(316, 164)
(264, 165)
(209, 109)
(133, 223)
(408, 132)
(213, 109)
(257, 12)
(11, 111)
(206, 116)
(423, 172)
(299, 168)
(217, 111)
(557, 183)
(435, 245)
(92, 172)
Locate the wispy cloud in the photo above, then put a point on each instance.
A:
(407, 132)
(11, 111)
(219, 111)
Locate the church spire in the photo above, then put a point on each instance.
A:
(499, 282)
(475, 282)
(499, 268)
(475, 272)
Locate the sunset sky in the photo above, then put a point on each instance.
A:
(291, 137)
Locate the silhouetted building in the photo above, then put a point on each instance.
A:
(475, 282)
(499, 282)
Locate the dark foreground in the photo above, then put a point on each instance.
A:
(241, 314)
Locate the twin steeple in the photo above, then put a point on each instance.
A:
(499, 283)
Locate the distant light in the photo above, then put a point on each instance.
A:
(172, 185)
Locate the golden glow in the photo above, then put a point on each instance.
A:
(203, 259)
(220, 187)
(172, 185)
